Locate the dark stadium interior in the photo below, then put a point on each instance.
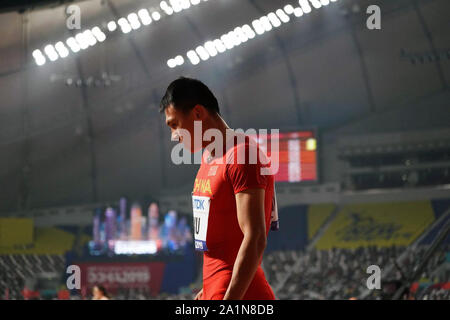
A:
(87, 178)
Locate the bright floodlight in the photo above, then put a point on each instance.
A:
(166, 8)
(73, 44)
(240, 34)
(220, 47)
(304, 4)
(163, 5)
(145, 17)
(265, 23)
(38, 57)
(211, 48)
(229, 44)
(316, 3)
(195, 2)
(37, 53)
(179, 60)
(298, 12)
(124, 25)
(202, 53)
(90, 37)
(51, 52)
(134, 21)
(98, 34)
(176, 6)
(62, 50)
(169, 11)
(325, 2)
(258, 27)
(234, 38)
(248, 31)
(156, 15)
(282, 15)
(289, 9)
(185, 4)
(171, 63)
(193, 57)
(274, 19)
(82, 41)
(112, 26)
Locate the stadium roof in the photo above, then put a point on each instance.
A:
(93, 115)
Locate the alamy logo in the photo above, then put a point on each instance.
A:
(73, 17)
(270, 164)
(374, 281)
(374, 20)
(74, 280)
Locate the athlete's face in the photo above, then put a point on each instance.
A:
(177, 120)
(96, 293)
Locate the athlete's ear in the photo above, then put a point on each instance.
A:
(199, 112)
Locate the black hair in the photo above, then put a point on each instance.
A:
(185, 93)
(102, 289)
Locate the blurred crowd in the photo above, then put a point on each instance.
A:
(342, 273)
(305, 275)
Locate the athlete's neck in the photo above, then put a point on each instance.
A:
(218, 123)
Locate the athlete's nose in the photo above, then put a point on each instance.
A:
(175, 135)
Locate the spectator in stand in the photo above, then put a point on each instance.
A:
(99, 293)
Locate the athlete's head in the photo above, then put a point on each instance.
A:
(185, 101)
(99, 292)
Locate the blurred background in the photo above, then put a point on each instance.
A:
(86, 176)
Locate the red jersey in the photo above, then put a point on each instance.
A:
(216, 226)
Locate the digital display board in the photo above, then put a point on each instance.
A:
(296, 154)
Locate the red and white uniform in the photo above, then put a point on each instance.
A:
(216, 227)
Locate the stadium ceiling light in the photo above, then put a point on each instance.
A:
(220, 47)
(179, 60)
(156, 15)
(193, 57)
(282, 15)
(242, 34)
(289, 9)
(81, 40)
(73, 44)
(90, 38)
(274, 20)
(61, 49)
(304, 4)
(133, 21)
(112, 26)
(171, 63)
(316, 3)
(203, 54)
(298, 12)
(39, 57)
(98, 34)
(145, 17)
(51, 52)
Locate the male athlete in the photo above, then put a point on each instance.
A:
(232, 200)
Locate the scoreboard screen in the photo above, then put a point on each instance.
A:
(297, 155)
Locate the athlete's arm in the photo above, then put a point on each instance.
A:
(250, 213)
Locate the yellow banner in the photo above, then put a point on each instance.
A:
(379, 224)
(317, 214)
(15, 232)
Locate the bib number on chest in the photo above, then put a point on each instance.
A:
(200, 207)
